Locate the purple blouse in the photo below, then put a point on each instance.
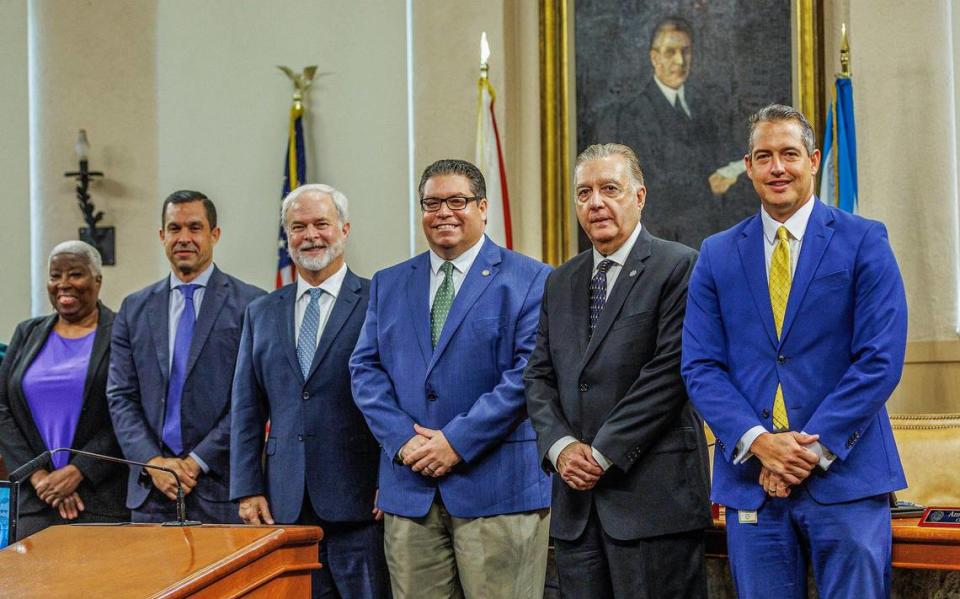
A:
(53, 385)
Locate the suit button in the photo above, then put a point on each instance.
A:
(300, 437)
(431, 396)
(765, 414)
(584, 387)
(306, 395)
(781, 359)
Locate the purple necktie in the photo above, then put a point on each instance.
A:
(598, 293)
(172, 435)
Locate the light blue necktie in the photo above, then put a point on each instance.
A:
(307, 342)
(172, 434)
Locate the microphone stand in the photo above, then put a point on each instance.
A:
(30, 467)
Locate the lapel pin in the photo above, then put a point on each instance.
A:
(485, 272)
(633, 273)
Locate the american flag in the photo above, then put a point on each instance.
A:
(294, 174)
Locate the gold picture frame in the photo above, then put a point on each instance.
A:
(556, 119)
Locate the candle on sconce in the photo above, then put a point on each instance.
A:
(82, 147)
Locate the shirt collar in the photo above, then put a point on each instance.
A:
(796, 225)
(201, 281)
(669, 93)
(619, 256)
(331, 284)
(462, 263)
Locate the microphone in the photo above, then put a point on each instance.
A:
(33, 465)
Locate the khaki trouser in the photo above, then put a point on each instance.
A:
(440, 556)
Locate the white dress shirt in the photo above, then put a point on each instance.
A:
(672, 95)
(619, 257)
(331, 287)
(461, 266)
(796, 227)
(176, 306)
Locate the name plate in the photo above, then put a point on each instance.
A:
(940, 517)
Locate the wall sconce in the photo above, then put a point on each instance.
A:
(102, 238)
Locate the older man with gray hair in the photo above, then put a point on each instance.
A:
(321, 460)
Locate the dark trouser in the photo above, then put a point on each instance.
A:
(157, 508)
(596, 566)
(28, 524)
(351, 553)
(847, 544)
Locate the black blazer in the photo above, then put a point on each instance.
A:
(621, 392)
(102, 489)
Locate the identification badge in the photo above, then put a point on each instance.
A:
(747, 516)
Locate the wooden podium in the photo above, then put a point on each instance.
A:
(149, 560)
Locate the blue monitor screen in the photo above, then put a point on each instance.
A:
(5, 513)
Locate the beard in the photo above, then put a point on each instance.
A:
(317, 263)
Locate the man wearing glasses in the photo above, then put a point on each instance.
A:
(437, 373)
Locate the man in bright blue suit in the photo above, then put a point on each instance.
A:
(437, 373)
(172, 356)
(794, 339)
(321, 460)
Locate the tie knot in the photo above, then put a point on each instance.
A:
(604, 265)
(315, 293)
(446, 268)
(782, 234)
(187, 291)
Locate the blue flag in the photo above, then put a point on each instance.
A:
(838, 170)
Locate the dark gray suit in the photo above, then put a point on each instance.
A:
(620, 391)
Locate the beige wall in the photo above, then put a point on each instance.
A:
(906, 128)
(223, 108)
(14, 167)
(94, 69)
(446, 46)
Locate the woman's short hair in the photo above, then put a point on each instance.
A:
(83, 249)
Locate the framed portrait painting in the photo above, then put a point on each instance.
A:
(675, 80)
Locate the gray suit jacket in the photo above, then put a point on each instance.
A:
(620, 391)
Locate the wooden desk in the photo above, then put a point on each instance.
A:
(148, 560)
(914, 547)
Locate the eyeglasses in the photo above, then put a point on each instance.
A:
(453, 203)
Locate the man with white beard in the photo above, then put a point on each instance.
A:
(321, 460)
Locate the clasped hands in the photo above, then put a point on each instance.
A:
(59, 489)
(577, 466)
(787, 460)
(429, 453)
(186, 469)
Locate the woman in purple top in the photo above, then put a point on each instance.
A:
(53, 394)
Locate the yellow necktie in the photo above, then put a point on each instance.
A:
(779, 285)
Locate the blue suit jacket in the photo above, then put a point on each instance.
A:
(470, 386)
(839, 357)
(140, 371)
(318, 437)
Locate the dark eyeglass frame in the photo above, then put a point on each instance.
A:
(442, 201)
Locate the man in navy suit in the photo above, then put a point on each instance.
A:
(437, 373)
(794, 338)
(171, 368)
(321, 460)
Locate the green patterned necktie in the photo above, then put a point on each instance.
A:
(441, 303)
